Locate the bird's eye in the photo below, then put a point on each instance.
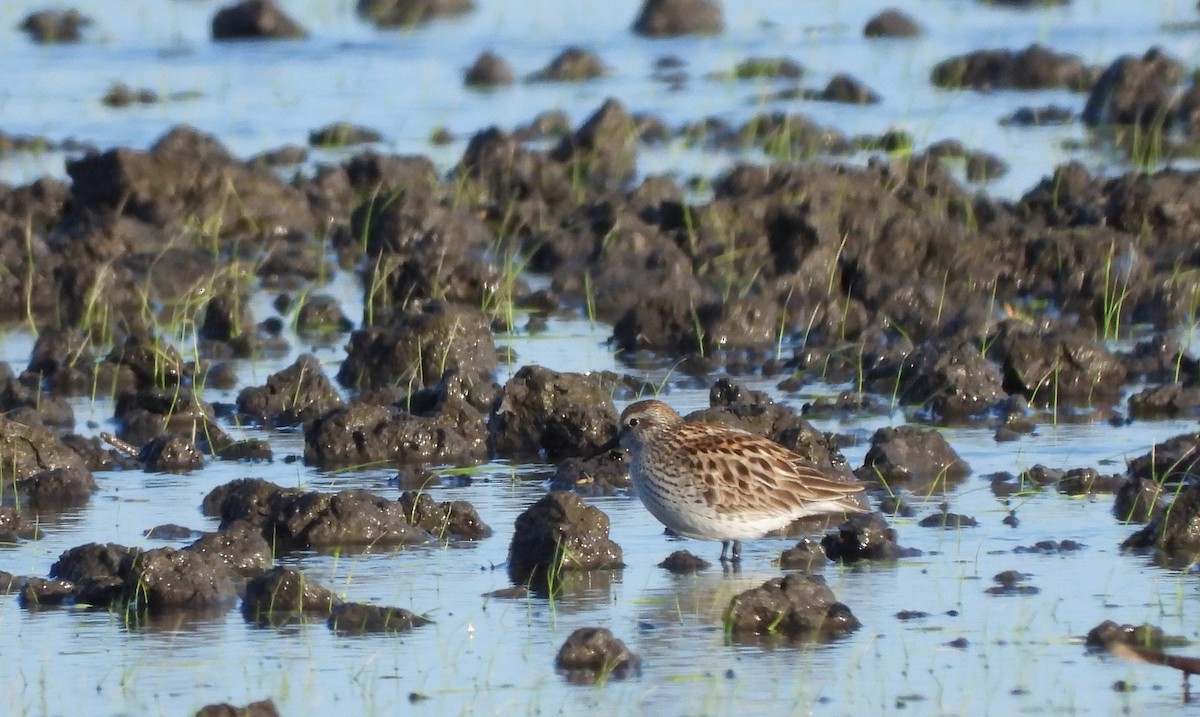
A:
(632, 422)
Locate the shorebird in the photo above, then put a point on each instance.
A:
(719, 483)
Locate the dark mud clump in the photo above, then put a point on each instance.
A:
(36, 467)
(452, 520)
(1174, 531)
(365, 434)
(864, 537)
(13, 527)
(1137, 500)
(284, 595)
(170, 454)
(1108, 633)
(489, 70)
(793, 607)
(358, 619)
(343, 134)
(948, 521)
(1166, 401)
(1049, 547)
(295, 395)
(37, 593)
(420, 346)
(166, 578)
(241, 547)
(1135, 91)
(671, 18)
(807, 555)
(1034, 68)
(149, 581)
(912, 457)
(594, 654)
(120, 94)
(682, 562)
(348, 518)
(603, 474)
(262, 708)
(573, 64)
(292, 519)
(1010, 583)
(407, 13)
(96, 572)
(49, 26)
(955, 384)
(1055, 371)
(1088, 481)
(254, 20)
(892, 23)
(557, 415)
(1175, 460)
(560, 533)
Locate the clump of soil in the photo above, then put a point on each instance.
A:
(793, 607)
(866, 536)
(594, 654)
(919, 459)
(358, 619)
(254, 20)
(560, 533)
(262, 708)
(546, 413)
(671, 18)
(682, 562)
(283, 595)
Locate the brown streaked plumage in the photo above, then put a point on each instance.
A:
(720, 483)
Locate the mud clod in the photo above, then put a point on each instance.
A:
(295, 395)
(558, 415)
(594, 654)
(605, 474)
(795, 606)
(892, 23)
(864, 537)
(283, 595)
(49, 26)
(1034, 68)
(1012, 582)
(560, 533)
(262, 708)
(807, 555)
(573, 64)
(671, 18)
(358, 619)
(489, 70)
(1135, 91)
(39, 592)
(1108, 632)
(682, 562)
(254, 20)
(913, 457)
(1174, 531)
(451, 520)
(407, 13)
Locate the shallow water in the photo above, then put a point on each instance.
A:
(1024, 654)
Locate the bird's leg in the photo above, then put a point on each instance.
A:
(724, 548)
(737, 551)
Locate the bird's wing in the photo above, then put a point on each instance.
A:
(744, 473)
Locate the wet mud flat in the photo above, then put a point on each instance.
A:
(331, 425)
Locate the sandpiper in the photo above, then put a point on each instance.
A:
(719, 483)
